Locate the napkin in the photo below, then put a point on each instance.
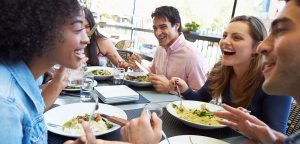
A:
(116, 94)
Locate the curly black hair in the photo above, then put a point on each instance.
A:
(170, 13)
(32, 28)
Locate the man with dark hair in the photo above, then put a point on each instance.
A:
(281, 64)
(175, 56)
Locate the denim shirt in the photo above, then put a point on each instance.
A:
(21, 106)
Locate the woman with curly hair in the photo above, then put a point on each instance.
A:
(237, 78)
(35, 35)
(100, 49)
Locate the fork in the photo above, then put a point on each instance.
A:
(178, 93)
(162, 132)
(217, 101)
(92, 113)
(95, 109)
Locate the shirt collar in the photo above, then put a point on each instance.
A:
(25, 79)
(178, 42)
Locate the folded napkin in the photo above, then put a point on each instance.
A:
(116, 94)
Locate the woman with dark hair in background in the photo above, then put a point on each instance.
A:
(237, 78)
(100, 49)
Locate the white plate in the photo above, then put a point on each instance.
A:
(194, 104)
(78, 89)
(59, 115)
(185, 139)
(101, 77)
(136, 83)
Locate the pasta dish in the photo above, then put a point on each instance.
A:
(138, 78)
(97, 124)
(200, 116)
(101, 72)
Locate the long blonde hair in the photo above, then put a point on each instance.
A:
(220, 74)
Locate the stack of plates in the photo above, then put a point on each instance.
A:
(116, 94)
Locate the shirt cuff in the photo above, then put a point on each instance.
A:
(187, 93)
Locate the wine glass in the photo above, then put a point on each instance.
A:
(158, 109)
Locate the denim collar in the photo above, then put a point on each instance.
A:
(25, 79)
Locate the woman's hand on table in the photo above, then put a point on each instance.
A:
(182, 86)
(248, 125)
(143, 131)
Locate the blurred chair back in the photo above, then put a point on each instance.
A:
(124, 54)
(294, 119)
(124, 44)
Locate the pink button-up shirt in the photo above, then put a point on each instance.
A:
(182, 59)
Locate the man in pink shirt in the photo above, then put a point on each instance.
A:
(175, 56)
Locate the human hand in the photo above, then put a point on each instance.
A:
(49, 75)
(182, 85)
(131, 60)
(160, 83)
(123, 64)
(142, 131)
(247, 125)
(60, 78)
(90, 138)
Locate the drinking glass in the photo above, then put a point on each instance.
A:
(81, 81)
(119, 74)
(87, 88)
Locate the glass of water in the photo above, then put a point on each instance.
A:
(119, 74)
(87, 88)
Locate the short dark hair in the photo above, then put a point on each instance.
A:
(170, 13)
(32, 28)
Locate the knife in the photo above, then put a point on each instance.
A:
(142, 67)
(116, 120)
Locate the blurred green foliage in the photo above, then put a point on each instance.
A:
(193, 26)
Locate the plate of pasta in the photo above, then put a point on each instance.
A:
(196, 114)
(100, 73)
(66, 120)
(139, 79)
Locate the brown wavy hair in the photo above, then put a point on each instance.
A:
(220, 74)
